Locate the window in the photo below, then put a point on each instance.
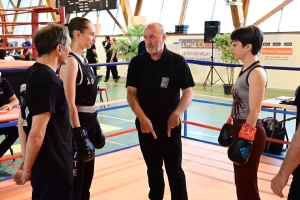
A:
(170, 18)
(222, 13)
(151, 9)
(290, 17)
(258, 8)
(196, 14)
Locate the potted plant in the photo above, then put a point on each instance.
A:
(223, 43)
(127, 48)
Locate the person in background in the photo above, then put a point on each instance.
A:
(26, 51)
(142, 47)
(44, 123)
(109, 58)
(114, 58)
(17, 54)
(106, 46)
(91, 56)
(154, 81)
(8, 100)
(10, 51)
(2, 51)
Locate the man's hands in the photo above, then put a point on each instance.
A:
(20, 176)
(174, 120)
(5, 107)
(146, 127)
(278, 183)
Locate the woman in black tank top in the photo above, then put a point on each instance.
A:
(81, 90)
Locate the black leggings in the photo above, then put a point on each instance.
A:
(246, 175)
(83, 172)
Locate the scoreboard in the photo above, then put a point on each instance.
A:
(75, 6)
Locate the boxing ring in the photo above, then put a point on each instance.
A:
(121, 172)
(22, 65)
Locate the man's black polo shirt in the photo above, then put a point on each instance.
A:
(159, 82)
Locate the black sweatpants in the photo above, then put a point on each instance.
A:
(246, 175)
(112, 69)
(163, 149)
(83, 172)
(12, 136)
(92, 60)
(51, 187)
(294, 193)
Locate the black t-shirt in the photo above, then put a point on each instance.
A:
(159, 82)
(108, 53)
(90, 53)
(2, 54)
(5, 92)
(42, 91)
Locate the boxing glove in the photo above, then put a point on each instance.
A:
(85, 149)
(239, 151)
(100, 138)
(103, 43)
(225, 138)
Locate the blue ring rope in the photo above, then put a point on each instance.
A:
(198, 62)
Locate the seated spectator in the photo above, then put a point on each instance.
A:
(2, 51)
(8, 57)
(8, 100)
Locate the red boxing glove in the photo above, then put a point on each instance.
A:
(247, 132)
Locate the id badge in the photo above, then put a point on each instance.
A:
(164, 82)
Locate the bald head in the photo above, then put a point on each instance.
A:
(157, 27)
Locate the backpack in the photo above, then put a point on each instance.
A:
(274, 129)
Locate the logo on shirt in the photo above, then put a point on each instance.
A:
(22, 87)
(89, 81)
(164, 82)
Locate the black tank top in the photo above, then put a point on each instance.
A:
(86, 88)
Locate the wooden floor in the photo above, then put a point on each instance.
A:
(122, 176)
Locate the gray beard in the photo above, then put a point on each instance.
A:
(155, 50)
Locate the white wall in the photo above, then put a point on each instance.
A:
(278, 79)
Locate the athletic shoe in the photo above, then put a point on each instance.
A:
(116, 80)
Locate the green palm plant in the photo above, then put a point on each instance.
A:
(223, 42)
(127, 48)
